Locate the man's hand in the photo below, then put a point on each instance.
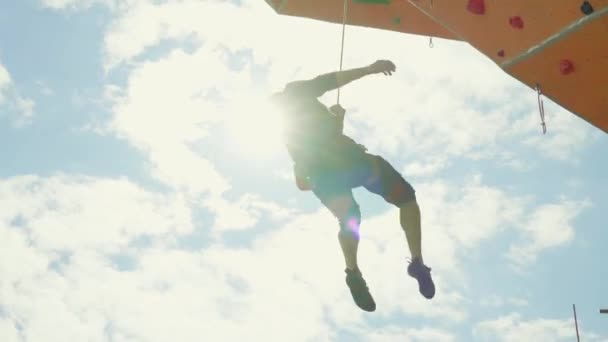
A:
(382, 66)
(337, 110)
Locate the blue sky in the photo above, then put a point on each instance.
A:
(146, 195)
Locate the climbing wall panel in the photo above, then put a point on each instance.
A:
(393, 15)
(573, 71)
(560, 45)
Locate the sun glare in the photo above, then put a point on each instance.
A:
(255, 129)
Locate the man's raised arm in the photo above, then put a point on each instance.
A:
(321, 84)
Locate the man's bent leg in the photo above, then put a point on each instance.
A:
(344, 207)
(389, 184)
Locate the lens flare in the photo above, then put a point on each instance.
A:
(255, 129)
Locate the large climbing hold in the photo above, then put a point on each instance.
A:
(476, 7)
(566, 66)
(586, 8)
(516, 22)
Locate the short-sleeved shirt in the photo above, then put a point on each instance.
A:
(313, 134)
(309, 125)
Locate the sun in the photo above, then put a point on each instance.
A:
(255, 129)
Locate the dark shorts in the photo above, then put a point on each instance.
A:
(350, 167)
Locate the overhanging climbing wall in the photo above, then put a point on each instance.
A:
(559, 45)
(383, 14)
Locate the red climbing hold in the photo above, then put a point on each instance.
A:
(566, 66)
(501, 53)
(516, 22)
(476, 6)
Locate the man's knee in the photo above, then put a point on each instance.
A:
(351, 219)
(390, 184)
(400, 193)
(343, 207)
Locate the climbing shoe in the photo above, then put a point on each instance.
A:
(359, 290)
(417, 270)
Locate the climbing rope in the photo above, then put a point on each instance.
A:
(344, 18)
(431, 38)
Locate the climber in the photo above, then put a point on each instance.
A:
(331, 165)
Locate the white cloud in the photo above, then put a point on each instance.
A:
(425, 168)
(220, 23)
(549, 226)
(77, 4)
(498, 301)
(145, 24)
(244, 212)
(65, 233)
(514, 327)
(172, 105)
(470, 213)
(5, 78)
(457, 218)
(408, 335)
(67, 213)
(20, 110)
(25, 107)
(44, 89)
(8, 330)
(164, 111)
